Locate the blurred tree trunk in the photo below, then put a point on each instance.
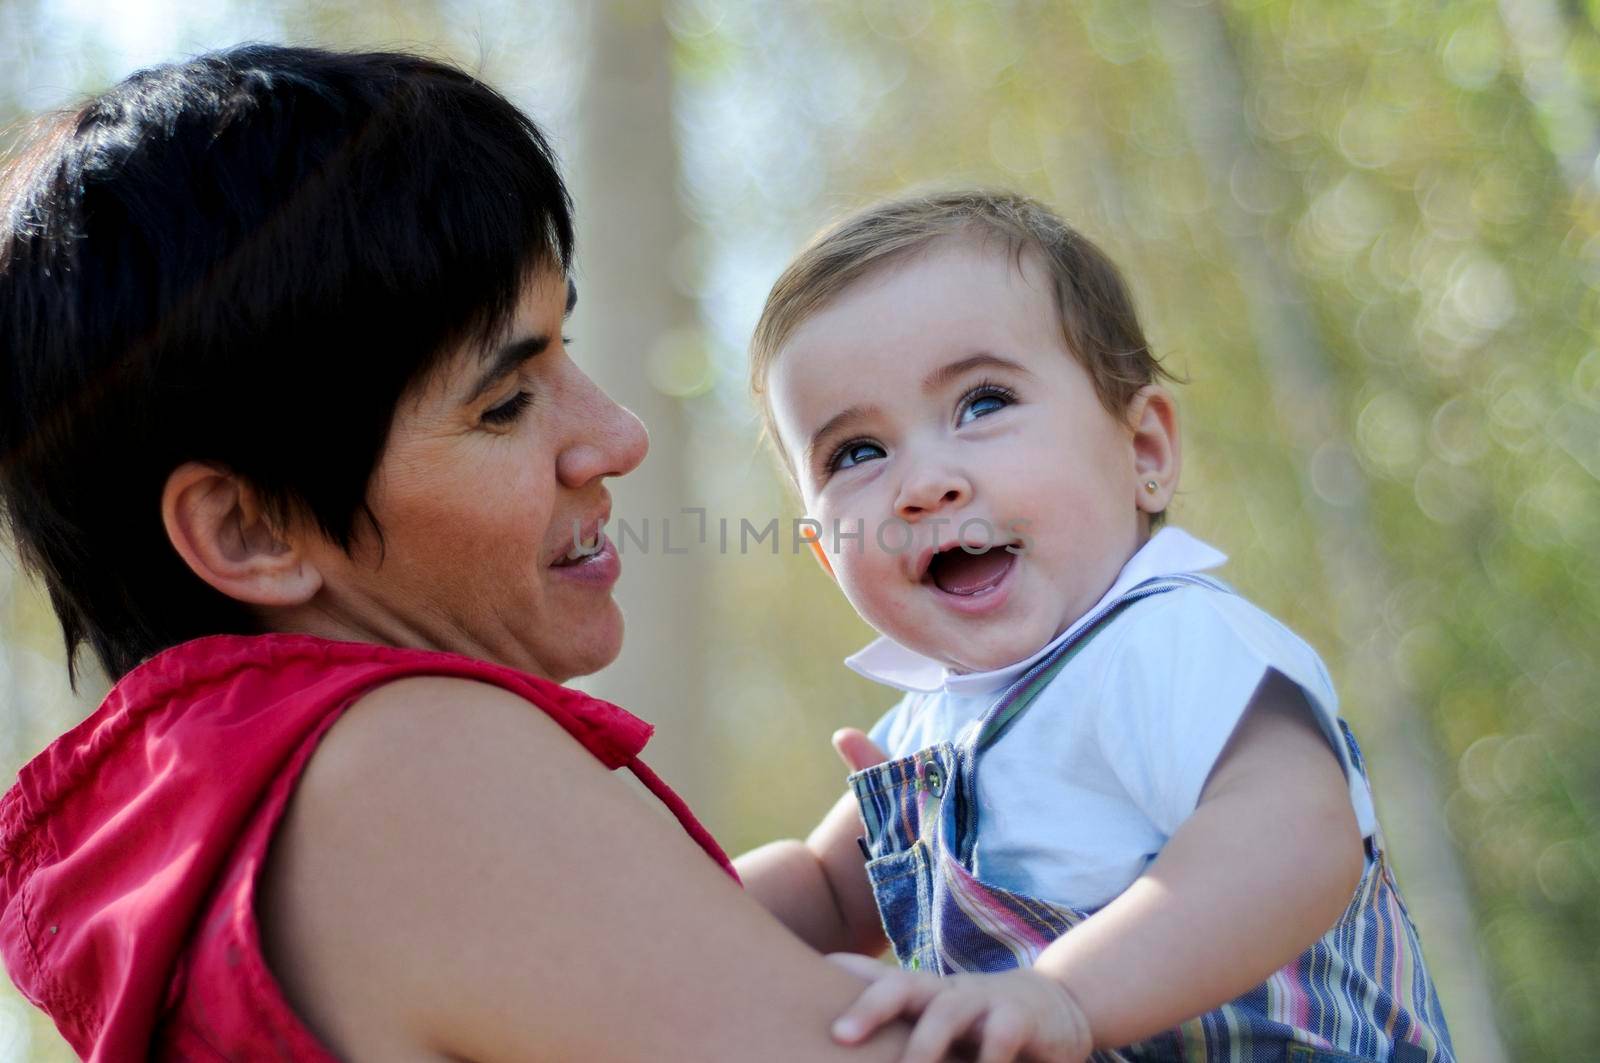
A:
(629, 223)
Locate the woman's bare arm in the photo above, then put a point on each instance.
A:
(457, 877)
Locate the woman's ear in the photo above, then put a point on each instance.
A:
(1157, 451)
(218, 526)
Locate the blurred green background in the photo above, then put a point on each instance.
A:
(1367, 231)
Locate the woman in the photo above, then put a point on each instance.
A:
(291, 436)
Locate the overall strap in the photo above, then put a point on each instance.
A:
(1020, 695)
(1025, 689)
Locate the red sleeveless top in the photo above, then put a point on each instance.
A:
(130, 848)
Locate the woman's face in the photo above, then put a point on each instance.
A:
(490, 472)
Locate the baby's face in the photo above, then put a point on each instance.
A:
(935, 404)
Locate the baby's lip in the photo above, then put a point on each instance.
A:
(924, 560)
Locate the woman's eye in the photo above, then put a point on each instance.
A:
(854, 454)
(984, 400)
(509, 410)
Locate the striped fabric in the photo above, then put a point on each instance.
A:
(1360, 993)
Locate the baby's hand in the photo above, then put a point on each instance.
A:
(1010, 1015)
(856, 749)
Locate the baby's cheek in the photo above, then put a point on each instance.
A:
(855, 578)
(894, 611)
(863, 583)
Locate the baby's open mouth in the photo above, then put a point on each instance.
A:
(956, 571)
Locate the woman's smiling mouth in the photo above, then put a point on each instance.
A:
(592, 562)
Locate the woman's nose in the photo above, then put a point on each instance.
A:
(607, 441)
(930, 489)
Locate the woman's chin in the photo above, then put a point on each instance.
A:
(590, 646)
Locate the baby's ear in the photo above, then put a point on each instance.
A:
(1157, 449)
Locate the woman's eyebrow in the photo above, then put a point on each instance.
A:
(505, 361)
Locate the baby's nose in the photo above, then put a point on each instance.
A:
(931, 494)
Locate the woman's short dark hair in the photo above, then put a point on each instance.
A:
(247, 258)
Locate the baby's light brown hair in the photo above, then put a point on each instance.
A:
(1092, 301)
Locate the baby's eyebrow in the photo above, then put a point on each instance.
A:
(931, 383)
(833, 424)
(944, 374)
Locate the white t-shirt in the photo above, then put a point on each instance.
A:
(1082, 792)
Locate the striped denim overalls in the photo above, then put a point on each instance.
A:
(1360, 993)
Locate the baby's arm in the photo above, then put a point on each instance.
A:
(1262, 869)
(1265, 865)
(818, 888)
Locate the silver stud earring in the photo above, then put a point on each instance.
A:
(1151, 486)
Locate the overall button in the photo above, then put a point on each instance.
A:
(933, 779)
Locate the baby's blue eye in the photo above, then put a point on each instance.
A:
(987, 404)
(984, 400)
(854, 454)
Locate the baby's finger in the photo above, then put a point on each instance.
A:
(856, 749)
(1005, 1033)
(946, 1018)
(863, 967)
(882, 1002)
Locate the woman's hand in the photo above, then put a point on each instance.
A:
(1010, 1015)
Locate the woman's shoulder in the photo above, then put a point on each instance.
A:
(412, 721)
(251, 968)
(385, 864)
(434, 729)
(280, 674)
(454, 868)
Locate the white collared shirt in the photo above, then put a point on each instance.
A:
(1081, 793)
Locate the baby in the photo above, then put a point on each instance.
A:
(1120, 813)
